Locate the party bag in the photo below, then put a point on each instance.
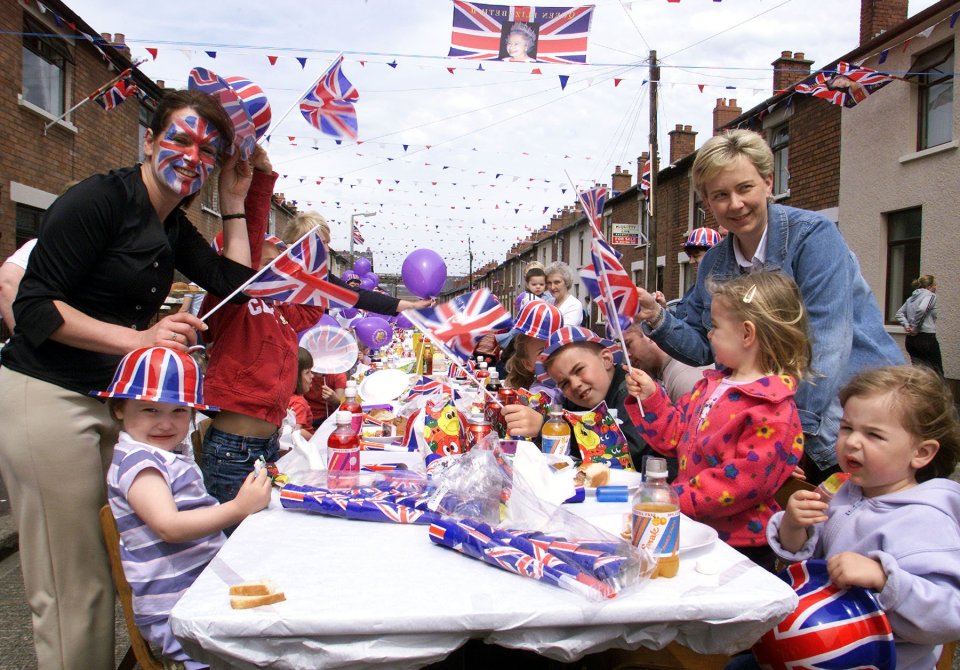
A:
(444, 435)
(539, 401)
(599, 437)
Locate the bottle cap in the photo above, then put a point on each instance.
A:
(655, 467)
(494, 374)
(351, 383)
(483, 365)
(350, 391)
(344, 417)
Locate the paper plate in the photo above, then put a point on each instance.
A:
(333, 349)
(629, 478)
(383, 386)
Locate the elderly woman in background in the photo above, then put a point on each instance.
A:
(559, 282)
(104, 263)
(918, 316)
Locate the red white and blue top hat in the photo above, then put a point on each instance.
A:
(158, 374)
(538, 319)
(244, 102)
(702, 238)
(568, 335)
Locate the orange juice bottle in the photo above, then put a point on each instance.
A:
(656, 518)
(555, 434)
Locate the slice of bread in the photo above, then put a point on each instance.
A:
(260, 588)
(246, 602)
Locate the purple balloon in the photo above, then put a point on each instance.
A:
(367, 283)
(374, 332)
(375, 277)
(327, 320)
(349, 312)
(403, 322)
(424, 273)
(362, 266)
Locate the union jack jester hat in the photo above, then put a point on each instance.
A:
(702, 238)
(538, 319)
(569, 335)
(158, 374)
(244, 102)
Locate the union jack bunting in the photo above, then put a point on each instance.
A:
(831, 629)
(480, 31)
(427, 386)
(460, 323)
(357, 235)
(622, 289)
(847, 85)
(299, 276)
(593, 202)
(116, 94)
(328, 106)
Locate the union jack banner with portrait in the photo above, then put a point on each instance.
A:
(299, 276)
(460, 323)
(549, 34)
(846, 86)
(328, 106)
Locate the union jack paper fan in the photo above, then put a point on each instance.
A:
(333, 349)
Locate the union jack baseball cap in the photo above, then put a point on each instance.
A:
(158, 374)
(703, 238)
(538, 319)
(207, 81)
(569, 335)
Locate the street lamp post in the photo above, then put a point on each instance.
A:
(352, 224)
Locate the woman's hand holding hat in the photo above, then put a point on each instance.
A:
(176, 331)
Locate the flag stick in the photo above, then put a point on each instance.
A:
(255, 276)
(90, 97)
(296, 103)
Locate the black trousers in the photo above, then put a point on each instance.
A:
(925, 350)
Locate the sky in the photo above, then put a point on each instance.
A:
(453, 157)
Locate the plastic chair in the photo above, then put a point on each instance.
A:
(139, 651)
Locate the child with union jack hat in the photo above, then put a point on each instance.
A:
(157, 495)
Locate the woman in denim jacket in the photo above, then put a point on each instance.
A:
(733, 173)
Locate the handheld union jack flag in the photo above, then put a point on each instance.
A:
(619, 286)
(460, 323)
(847, 85)
(479, 31)
(328, 106)
(299, 276)
(593, 202)
(116, 94)
(357, 235)
(427, 386)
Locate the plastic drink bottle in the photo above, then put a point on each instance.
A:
(351, 405)
(655, 519)
(555, 434)
(493, 382)
(428, 358)
(482, 374)
(343, 454)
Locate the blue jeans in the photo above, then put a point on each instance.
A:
(229, 458)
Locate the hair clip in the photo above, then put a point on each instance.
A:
(750, 294)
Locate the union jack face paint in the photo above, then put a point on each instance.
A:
(187, 152)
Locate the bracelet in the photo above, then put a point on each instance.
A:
(654, 323)
(227, 217)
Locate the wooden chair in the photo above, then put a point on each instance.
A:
(196, 439)
(139, 651)
(946, 656)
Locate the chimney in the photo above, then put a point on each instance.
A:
(682, 142)
(724, 113)
(876, 16)
(789, 69)
(120, 44)
(621, 180)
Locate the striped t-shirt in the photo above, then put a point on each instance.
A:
(158, 572)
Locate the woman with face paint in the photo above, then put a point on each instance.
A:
(104, 263)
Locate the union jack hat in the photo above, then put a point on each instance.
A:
(831, 627)
(229, 95)
(254, 102)
(158, 374)
(702, 238)
(569, 335)
(538, 319)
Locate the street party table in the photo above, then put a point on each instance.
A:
(381, 595)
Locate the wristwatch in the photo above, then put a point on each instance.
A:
(655, 322)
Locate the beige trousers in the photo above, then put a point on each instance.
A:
(55, 447)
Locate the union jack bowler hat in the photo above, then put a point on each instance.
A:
(702, 238)
(254, 102)
(206, 81)
(831, 628)
(568, 335)
(538, 319)
(158, 374)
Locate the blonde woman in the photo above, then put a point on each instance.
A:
(918, 316)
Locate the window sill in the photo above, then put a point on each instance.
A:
(894, 329)
(39, 111)
(940, 148)
(781, 196)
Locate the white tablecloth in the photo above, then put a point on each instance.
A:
(380, 595)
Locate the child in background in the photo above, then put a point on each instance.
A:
(894, 526)
(535, 281)
(325, 394)
(299, 404)
(170, 527)
(737, 435)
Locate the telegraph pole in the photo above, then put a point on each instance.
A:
(470, 255)
(654, 167)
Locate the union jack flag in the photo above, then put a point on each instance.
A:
(299, 276)
(357, 236)
(427, 386)
(831, 629)
(621, 286)
(116, 94)
(460, 323)
(328, 106)
(480, 30)
(847, 85)
(593, 202)
(645, 176)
